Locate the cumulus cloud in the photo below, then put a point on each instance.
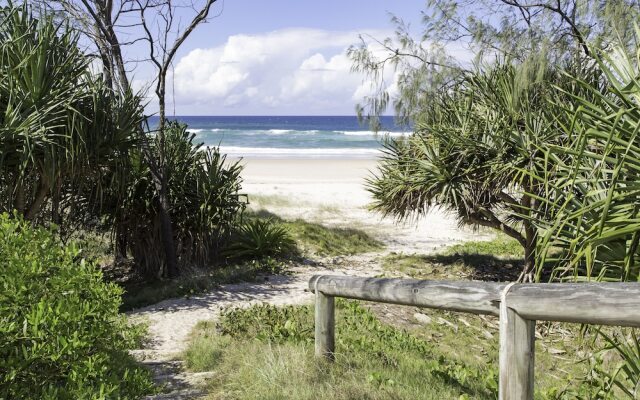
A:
(291, 71)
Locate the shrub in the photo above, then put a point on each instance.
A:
(61, 336)
(204, 203)
(61, 126)
(261, 238)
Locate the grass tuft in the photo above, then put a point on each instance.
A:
(332, 241)
(323, 240)
(501, 246)
(496, 260)
(266, 352)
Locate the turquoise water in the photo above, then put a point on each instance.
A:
(291, 136)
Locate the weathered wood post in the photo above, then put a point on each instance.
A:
(325, 326)
(517, 353)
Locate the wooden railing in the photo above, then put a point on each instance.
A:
(519, 306)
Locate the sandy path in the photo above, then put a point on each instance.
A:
(171, 321)
(330, 192)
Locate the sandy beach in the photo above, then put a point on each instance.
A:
(332, 192)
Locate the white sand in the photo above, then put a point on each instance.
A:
(332, 192)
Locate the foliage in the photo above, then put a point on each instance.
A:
(501, 246)
(591, 192)
(474, 151)
(61, 334)
(205, 203)
(60, 126)
(321, 239)
(375, 361)
(478, 128)
(455, 34)
(260, 238)
(73, 152)
(591, 196)
(624, 379)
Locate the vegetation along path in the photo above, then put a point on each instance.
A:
(171, 321)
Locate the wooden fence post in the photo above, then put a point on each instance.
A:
(517, 354)
(325, 326)
(518, 305)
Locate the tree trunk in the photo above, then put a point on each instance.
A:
(166, 231)
(527, 241)
(528, 270)
(20, 197)
(121, 241)
(56, 217)
(528, 204)
(107, 70)
(38, 202)
(161, 183)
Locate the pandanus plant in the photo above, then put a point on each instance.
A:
(475, 153)
(60, 126)
(592, 184)
(205, 203)
(591, 199)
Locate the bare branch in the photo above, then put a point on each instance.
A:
(570, 20)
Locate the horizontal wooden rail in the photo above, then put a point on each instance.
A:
(611, 303)
(517, 305)
(473, 297)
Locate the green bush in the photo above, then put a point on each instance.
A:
(204, 199)
(61, 336)
(260, 238)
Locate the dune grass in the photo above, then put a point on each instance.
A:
(500, 246)
(266, 352)
(499, 259)
(331, 241)
(318, 239)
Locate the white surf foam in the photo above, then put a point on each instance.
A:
(371, 133)
(286, 131)
(204, 130)
(303, 152)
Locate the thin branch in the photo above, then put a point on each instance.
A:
(563, 15)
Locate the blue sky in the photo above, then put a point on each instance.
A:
(256, 17)
(278, 57)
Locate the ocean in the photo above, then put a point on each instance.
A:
(290, 136)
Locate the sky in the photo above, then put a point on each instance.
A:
(277, 57)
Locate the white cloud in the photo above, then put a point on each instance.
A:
(291, 71)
